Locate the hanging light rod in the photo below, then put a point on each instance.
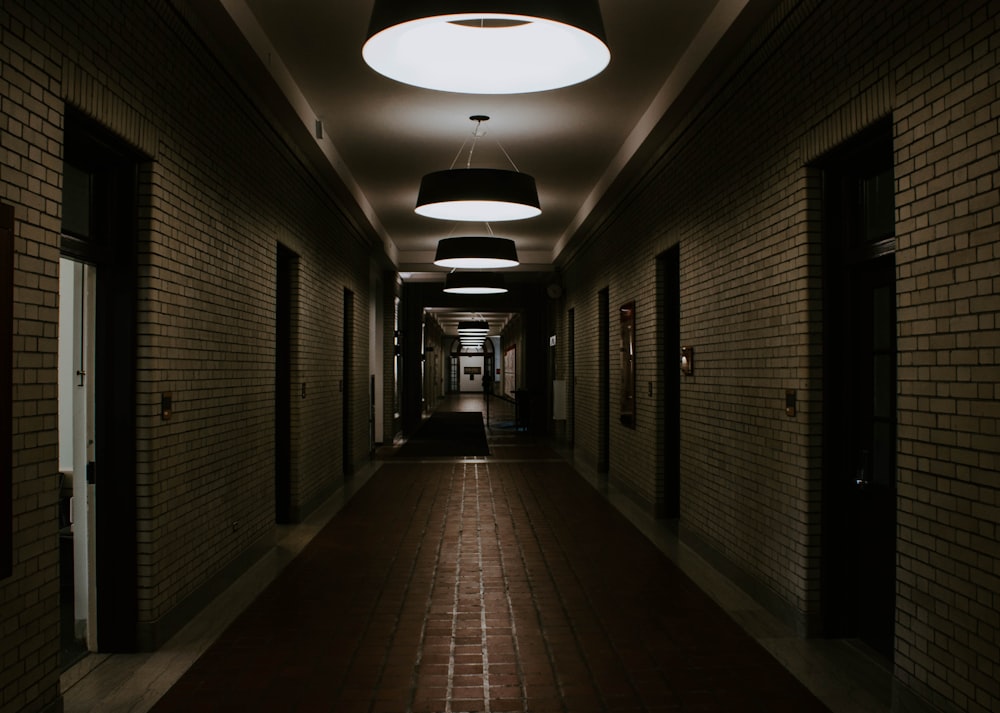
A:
(474, 283)
(485, 47)
(476, 253)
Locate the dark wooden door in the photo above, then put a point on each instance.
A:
(868, 469)
(345, 384)
(859, 506)
(668, 267)
(283, 387)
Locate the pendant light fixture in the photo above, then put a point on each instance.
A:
(474, 326)
(472, 333)
(476, 253)
(487, 46)
(478, 195)
(474, 283)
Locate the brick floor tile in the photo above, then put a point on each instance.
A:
(466, 586)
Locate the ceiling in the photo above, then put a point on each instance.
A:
(381, 137)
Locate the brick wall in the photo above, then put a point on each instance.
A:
(734, 189)
(948, 202)
(30, 134)
(220, 191)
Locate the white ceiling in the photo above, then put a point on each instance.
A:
(381, 137)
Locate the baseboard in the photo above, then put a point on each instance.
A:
(54, 707)
(300, 513)
(150, 636)
(647, 508)
(906, 700)
(761, 593)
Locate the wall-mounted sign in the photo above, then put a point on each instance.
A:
(473, 370)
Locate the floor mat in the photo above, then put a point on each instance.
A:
(447, 433)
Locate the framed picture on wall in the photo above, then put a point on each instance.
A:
(510, 370)
(626, 318)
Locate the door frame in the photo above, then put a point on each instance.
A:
(668, 304)
(112, 248)
(285, 277)
(848, 256)
(346, 387)
(6, 387)
(603, 381)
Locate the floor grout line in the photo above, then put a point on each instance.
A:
(482, 597)
(518, 663)
(455, 609)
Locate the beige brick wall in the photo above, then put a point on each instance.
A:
(947, 149)
(30, 181)
(734, 190)
(222, 189)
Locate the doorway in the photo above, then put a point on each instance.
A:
(345, 383)
(286, 263)
(669, 279)
(859, 525)
(603, 381)
(571, 378)
(77, 379)
(6, 387)
(97, 393)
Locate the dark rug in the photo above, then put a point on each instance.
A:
(448, 433)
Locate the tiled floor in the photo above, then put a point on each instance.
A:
(505, 583)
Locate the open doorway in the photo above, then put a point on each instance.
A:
(97, 392)
(77, 459)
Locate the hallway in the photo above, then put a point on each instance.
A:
(487, 584)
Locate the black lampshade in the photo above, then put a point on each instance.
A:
(476, 253)
(478, 195)
(474, 283)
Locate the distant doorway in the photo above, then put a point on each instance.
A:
(345, 383)
(859, 505)
(571, 378)
(603, 381)
(286, 265)
(668, 278)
